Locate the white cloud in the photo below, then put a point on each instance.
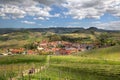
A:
(56, 15)
(39, 18)
(27, 22)
(5, 17)
(2, 14)
(113, 25)
(12, 11)
(46, 18)
(50, 2)
(80, 9)
(21, 8)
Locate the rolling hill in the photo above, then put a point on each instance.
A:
(54, 30)
(103, 53)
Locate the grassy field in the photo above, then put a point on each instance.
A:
(111, 53)
(66, 73)
(79, 68)
(99, 64)
(18, 39)
(11, 66)
(83, 35)
(88, 65)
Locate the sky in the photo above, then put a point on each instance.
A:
(103, 14)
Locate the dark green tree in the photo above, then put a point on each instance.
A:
(30, 46)
(105, 39)
(54, 37)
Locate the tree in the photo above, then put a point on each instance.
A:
(54, 37)
(105, 39)
(92, 32)
(30, 46)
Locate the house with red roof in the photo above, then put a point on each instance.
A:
(31, 52)
(17, 51)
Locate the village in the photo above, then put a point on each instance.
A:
(53, 48)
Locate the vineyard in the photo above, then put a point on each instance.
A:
(49, 67)
(12, 67)
(82, 66)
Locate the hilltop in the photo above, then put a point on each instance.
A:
(18, 37)
(54, 30)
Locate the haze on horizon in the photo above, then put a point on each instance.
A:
(60, 13)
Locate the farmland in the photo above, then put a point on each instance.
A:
(100, 62)
(11, 66)
(110, 53)
(72, 67)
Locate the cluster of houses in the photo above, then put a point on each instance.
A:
(15, 51)
(62, 47)
(56, 47)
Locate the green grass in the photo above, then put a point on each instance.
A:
(112, 53)
(103, 62)
(19, 39)
(16, 59)
(79, 68)
(11, 66)
(87, 64)
(99, 64)
(66, 73)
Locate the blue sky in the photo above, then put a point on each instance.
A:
(60, 13)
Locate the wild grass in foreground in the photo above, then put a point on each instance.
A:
(11, 66)
(67, 73)
(90, 65)
(79, 68)
(98, 66)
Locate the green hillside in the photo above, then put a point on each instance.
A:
(19, 39)
(63, 67)
(96, 64)
(103, 53)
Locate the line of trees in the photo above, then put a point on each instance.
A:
(106, 39)
(56, 37)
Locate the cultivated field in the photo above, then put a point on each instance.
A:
(90, 65)
(11, 66)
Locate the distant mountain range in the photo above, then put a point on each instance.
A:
(54, 30)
